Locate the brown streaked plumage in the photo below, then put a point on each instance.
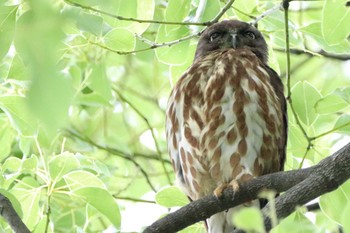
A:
(226, 116)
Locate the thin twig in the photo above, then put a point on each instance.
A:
(266, 13)
(154, 46)
(48, 213)
(297, 66)
(244, 13)
(134, 199)
(117, 153)
(207, 23)
(321, 53)
(330, 131)
(286, 29)
(285, 4)
(222, 12)
(134, 19)
(150, 128)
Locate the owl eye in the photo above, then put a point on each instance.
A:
(214, 36)
(250, 35)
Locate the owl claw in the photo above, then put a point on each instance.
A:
(219, 191)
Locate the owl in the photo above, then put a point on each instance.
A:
(226, 117)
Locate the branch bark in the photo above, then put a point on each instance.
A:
(300, 186)
(10, 215)
(320, 53)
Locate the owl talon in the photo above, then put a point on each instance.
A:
(218, 192)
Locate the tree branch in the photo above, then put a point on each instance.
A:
(117, 153)
(144, 118)
(321, 53)
(85, 7)
(327, 176)
(10, 215)
(301, 186)
(207, 23)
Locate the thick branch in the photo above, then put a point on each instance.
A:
(300, 185)
(329, 174)
(210, 205)
(10, 215)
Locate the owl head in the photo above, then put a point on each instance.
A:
(232, 34)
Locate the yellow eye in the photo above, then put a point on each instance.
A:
(250, 35)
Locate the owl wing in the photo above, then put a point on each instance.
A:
(277, 85)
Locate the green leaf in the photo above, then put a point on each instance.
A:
(41, 225)
(49, 99)
(313, 31)
(25, 144)
(145, 10)
(345, 218)
(272, 28)
(305, 97)
(103, 202)
(212, 8)
(246, 6)
(123, 8)
(325, 224)
(343, 124)
(90, 23)
(296, 221)
(177, 10)
(27, 192)
(335, 29)
(87, 2)
(11, 169)
(30, 164)
(120, 39)
(7, 136)
(17, 111)
(18, 70)
(7, 27)
(249, 219)
(39, 43)
(343, 93)
(61, 164)
(80, 179)
(195, 228)
(296, 141)
(171, 197)
(176, 54)
(332, 204)
(330, 104)
(99, 83)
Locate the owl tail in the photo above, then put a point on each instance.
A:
(221, 222)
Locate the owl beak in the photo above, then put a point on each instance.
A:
(234, 40)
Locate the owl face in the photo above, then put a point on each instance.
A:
(232, 34)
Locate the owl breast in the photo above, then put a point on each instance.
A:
(224, 122)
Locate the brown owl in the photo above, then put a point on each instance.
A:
(226, 116)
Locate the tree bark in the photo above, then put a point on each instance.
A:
(300, 186)
(10, 215)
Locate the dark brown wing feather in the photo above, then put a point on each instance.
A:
(278, 88)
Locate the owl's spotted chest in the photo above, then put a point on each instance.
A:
(231, 122)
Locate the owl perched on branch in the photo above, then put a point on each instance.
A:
(226, 116)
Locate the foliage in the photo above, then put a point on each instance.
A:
(83, 90)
